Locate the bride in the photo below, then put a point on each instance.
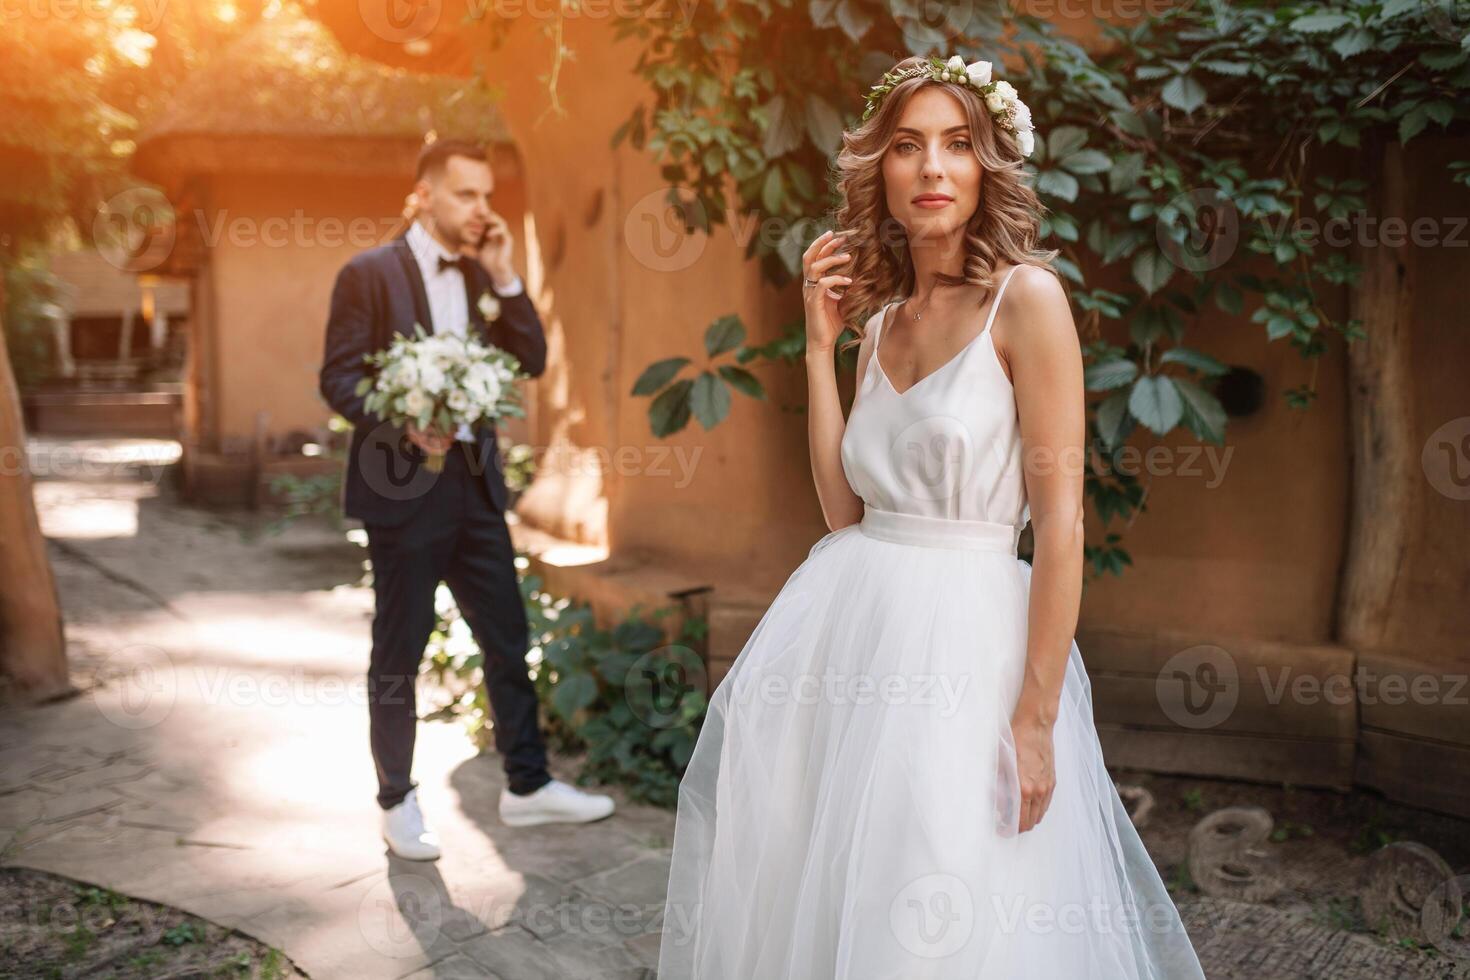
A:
(899, 777)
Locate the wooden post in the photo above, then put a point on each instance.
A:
(32, 644)
(1385, 459)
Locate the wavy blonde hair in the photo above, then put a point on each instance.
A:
(1005, 225)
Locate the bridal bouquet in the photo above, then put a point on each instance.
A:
(441, 380)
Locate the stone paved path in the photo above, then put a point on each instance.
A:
(217, 762)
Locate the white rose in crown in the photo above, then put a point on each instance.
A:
(1000, 97)
(489, 307)
(444, 381)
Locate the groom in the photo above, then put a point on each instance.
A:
(450, 272)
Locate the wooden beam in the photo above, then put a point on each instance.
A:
(1385, 458)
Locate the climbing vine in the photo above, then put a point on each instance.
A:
(1185, 166)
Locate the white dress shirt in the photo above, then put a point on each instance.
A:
(446, 291)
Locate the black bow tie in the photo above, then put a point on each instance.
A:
(455, 263)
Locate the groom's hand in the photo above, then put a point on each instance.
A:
(430, 440)
(495, 252)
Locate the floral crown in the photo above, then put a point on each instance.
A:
(1000, 97)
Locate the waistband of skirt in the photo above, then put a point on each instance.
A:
(939, 532)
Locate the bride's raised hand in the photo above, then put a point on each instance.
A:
(818, 265)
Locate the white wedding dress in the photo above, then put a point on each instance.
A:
(849, 812)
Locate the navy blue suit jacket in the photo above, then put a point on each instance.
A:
(378, 294)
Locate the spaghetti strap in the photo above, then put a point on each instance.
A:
(882, 322)
(996, 304)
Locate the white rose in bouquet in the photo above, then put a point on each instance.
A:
(442, 381)
(416, 402)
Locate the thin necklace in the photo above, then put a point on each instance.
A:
(919, 315)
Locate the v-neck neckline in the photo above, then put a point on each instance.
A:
(989, 320)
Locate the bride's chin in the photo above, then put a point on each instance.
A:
(932, 229)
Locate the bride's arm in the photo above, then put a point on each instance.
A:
(825, 424)
(1045, 358)
(825, 427)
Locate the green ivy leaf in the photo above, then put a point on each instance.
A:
(1195, 360)
(1203, 413)
(1278, 326)
(725, 333)
(742, 381)
(784, 125)
(1129, 122)
(772, 191)
(710, 400)
(1065, 140)
(637, 634)
(823, 124)
(658, 374)
(1183, 93)
(1057, 183)
(1228, 298)
(1087, 162)
(1114, 424)
(1234, 68)
(1315, 23)
(1413, 123)
(1354, 42)
(1125, 172)
(1107, 375)
(853, 19)
(573, 693)
(1155, 402)
(669, 412)
(1152, 270)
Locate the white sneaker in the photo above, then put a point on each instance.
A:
(556, 802)
(404, 830)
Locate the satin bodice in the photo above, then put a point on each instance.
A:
(948, 447)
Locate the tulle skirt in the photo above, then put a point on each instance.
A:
(851, 806)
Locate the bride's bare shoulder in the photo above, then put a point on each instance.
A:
(1035, 295)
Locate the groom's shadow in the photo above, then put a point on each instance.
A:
(427, 918)
(589, 897)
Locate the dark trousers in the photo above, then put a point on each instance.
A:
(458, 537)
